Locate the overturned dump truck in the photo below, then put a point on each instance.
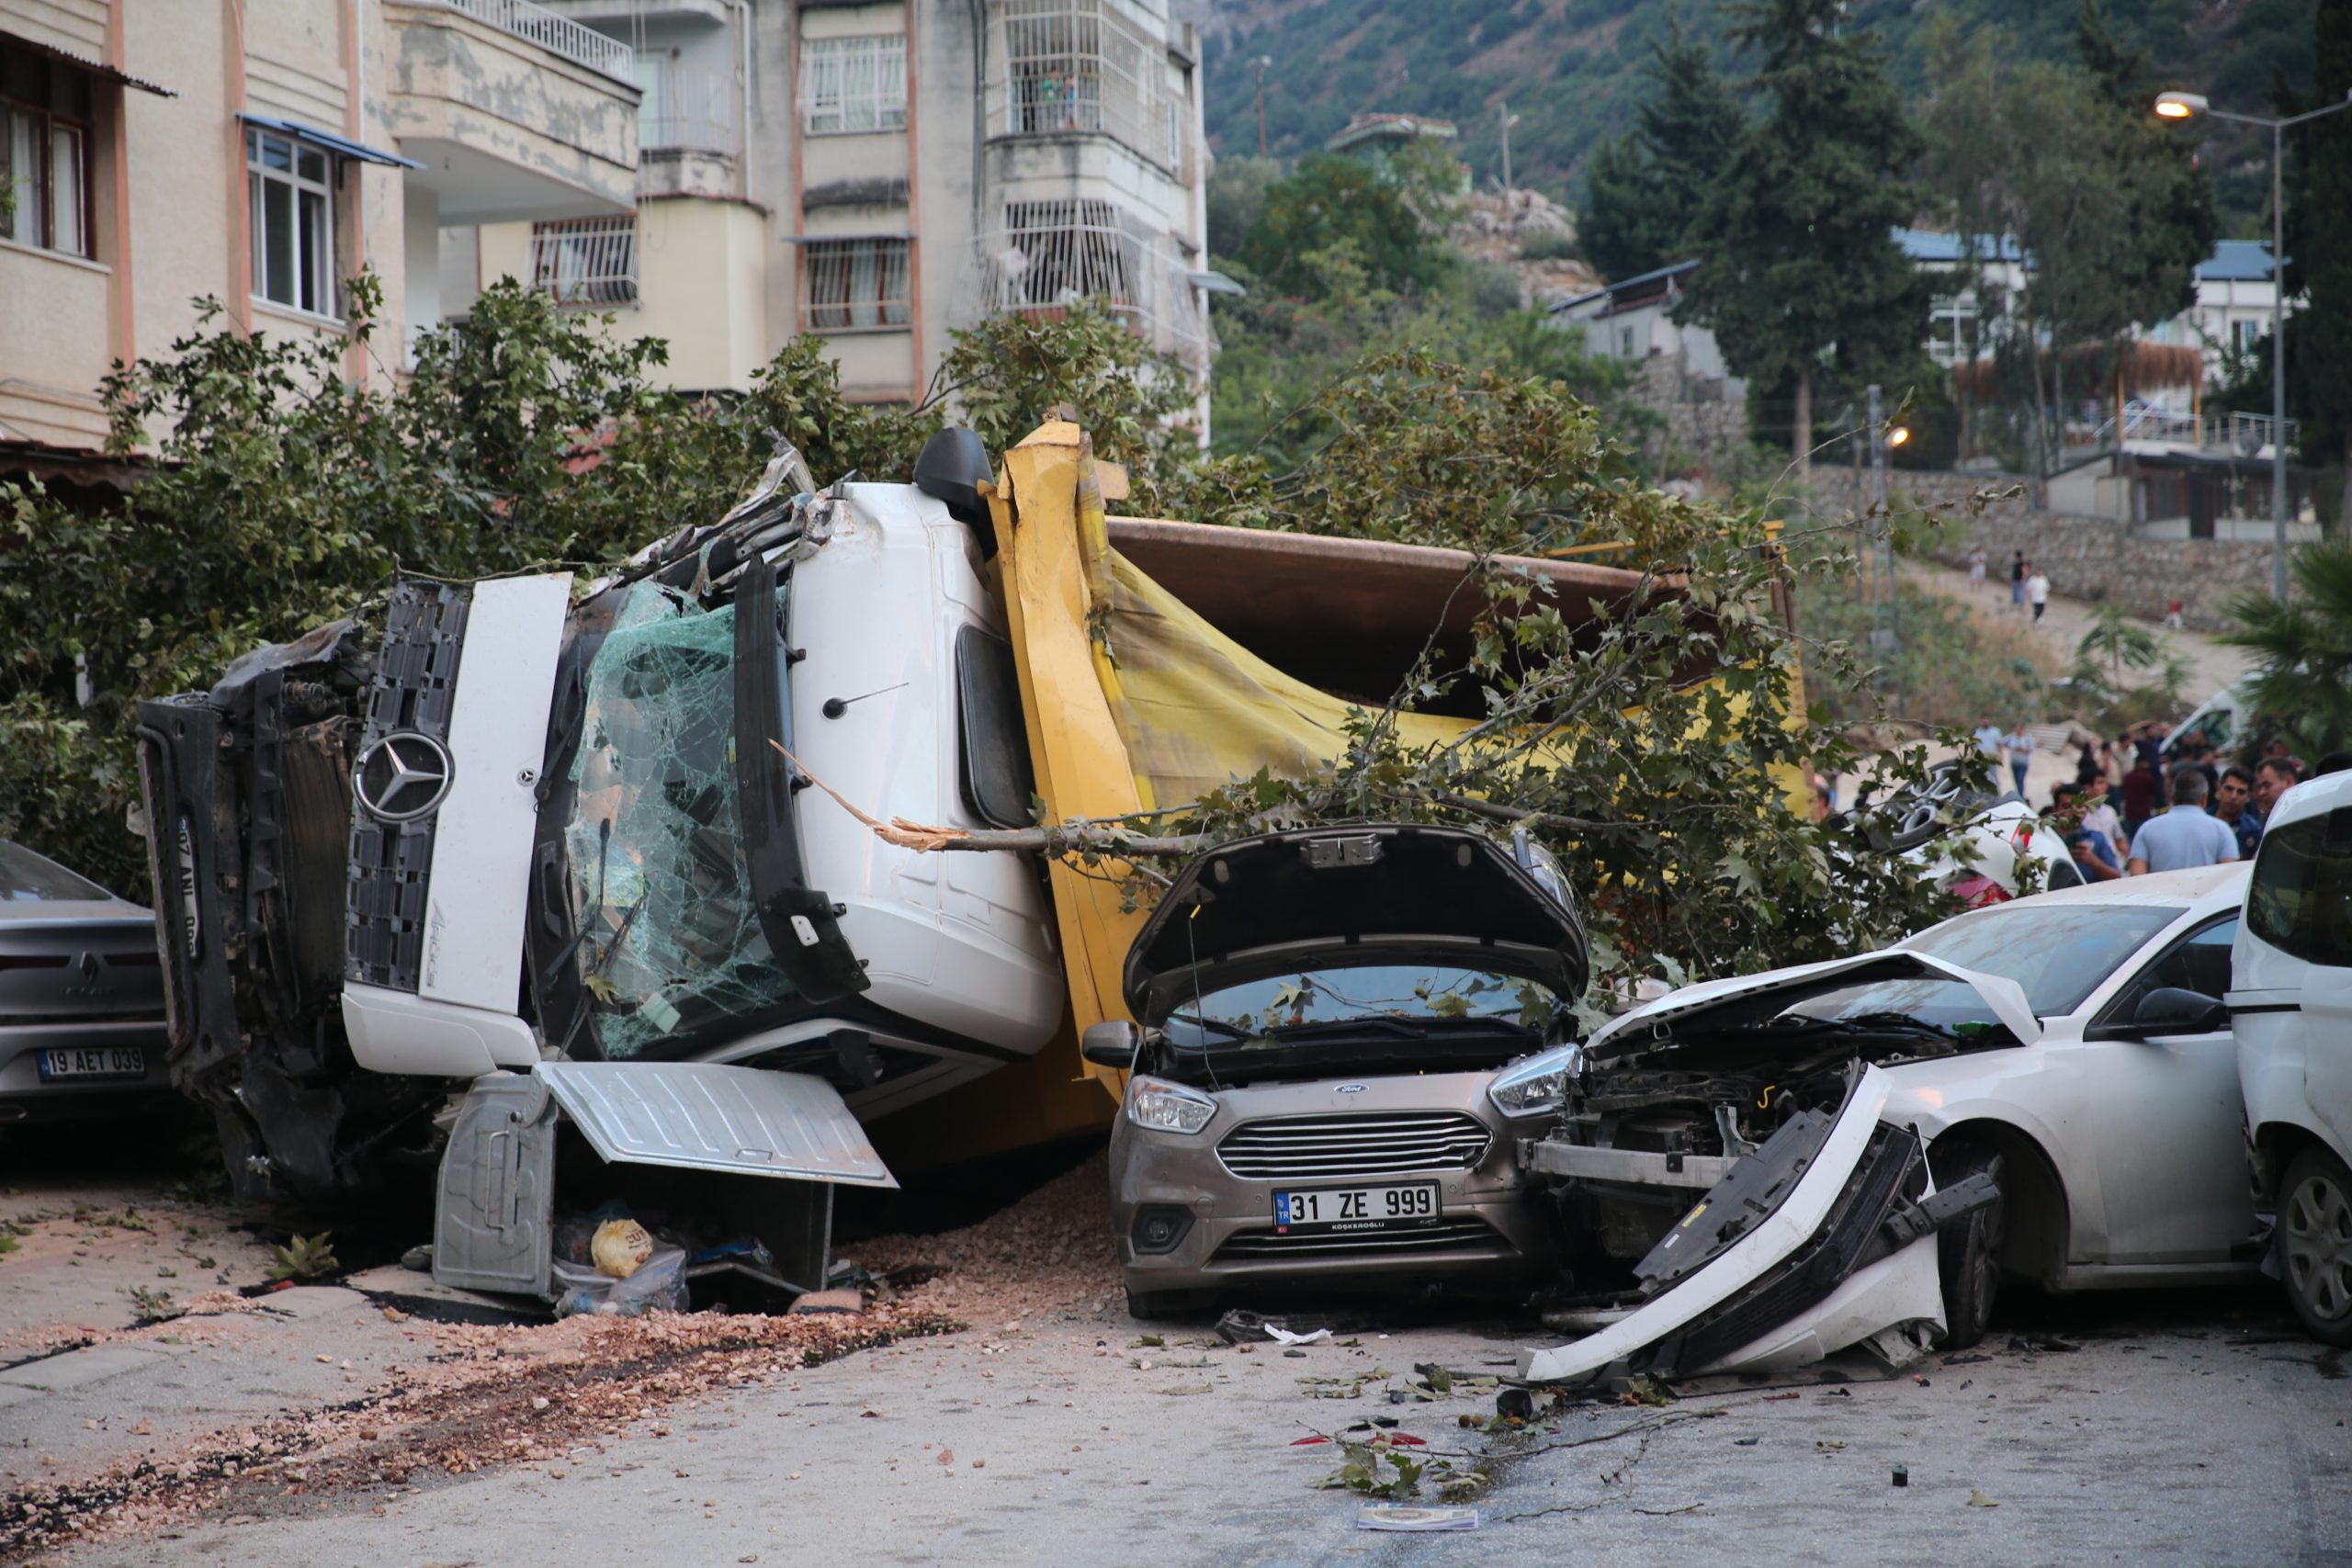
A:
(529, 829)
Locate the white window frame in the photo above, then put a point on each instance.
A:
(309, 179)
(853, 85)
(874, 277)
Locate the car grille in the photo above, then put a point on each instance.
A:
(1446, 1235)
(1301, 1148)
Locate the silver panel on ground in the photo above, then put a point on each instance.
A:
(699, 1116)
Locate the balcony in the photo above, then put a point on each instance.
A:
(689, 138)
(1078, 67)
(1051, 255)
(517, 114)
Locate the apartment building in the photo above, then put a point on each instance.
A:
(260, 152)
(880, 172)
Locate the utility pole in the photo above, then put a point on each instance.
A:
(1502, 110)
(1257, 67)
(1883, 639)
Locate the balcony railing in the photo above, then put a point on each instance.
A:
(558, 34)
(1051, 255)
(1079, 65)
(685, 110)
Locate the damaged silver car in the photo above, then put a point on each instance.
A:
(1313, 1095)
(1758, 1172)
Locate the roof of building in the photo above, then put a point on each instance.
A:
(1390, 128)
(2236, 261)
(1934, 245)
(1641, 283)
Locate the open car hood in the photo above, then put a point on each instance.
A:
(1644, 1025)
(1324, 896)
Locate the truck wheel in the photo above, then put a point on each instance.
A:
(2316, 1244)
(1969, 1254)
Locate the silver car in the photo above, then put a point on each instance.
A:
(1314, 1096)
(81, 998)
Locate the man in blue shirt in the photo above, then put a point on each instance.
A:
(2233, 804)
(2187, 835)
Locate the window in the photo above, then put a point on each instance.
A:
(586, 261)
(2300, 901)
(855, 283)
(45, 116)
(291, 199)
(855, 83)
(996, 775)
(1059, 251)
(2199, 962)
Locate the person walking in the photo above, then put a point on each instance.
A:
(2184, 837)
(2016, 580)
(2018, 743)
(2036, 592)
(1977, 569)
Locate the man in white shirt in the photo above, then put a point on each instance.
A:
(2184, 837)
(2036, 592)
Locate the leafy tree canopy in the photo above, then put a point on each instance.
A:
(1330, 202)
(1644, 189)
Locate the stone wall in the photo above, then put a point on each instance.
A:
(1706, 416)
(2094, 559)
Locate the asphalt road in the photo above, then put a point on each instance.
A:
(2193, 1428)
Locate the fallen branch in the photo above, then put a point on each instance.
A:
(1078, 836)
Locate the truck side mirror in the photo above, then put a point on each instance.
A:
(2171, 1010)
(951, 469)
(1111, 1043)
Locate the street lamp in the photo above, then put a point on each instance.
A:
(2188, 105)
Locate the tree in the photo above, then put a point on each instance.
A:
(1237, 195)
(1329, 201)
(1797, 260)
(2319, 251)
(1644, 189)
(2304, 681)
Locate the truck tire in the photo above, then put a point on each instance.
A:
(1969, 1254)
(2316, 1244)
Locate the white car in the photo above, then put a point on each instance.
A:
(1768, 1168)
(2292, 1006)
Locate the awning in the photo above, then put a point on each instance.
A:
(1214, 282)
(331, 142)
(98, 68)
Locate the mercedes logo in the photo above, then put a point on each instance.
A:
(403, 776)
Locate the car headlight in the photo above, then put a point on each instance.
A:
(1538, 1083)
(1167, 1107)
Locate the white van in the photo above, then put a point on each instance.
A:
(2290, 1006)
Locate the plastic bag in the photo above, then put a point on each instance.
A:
(659, 1285)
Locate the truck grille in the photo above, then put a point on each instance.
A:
(1300, 1148)
(415, 683)
(1446, 1235)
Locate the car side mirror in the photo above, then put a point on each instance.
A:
(1111, 1043)
(2171, 1010)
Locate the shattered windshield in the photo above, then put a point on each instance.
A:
(2058, 954)
(1290, 1006)
(671, 937)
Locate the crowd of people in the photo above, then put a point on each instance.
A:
(2127, 812)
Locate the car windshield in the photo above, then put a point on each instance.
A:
(28, 878)
(2058, 954)
(1268, 1011)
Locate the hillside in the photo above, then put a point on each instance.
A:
(1570, 69)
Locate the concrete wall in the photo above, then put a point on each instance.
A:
(2096, 558)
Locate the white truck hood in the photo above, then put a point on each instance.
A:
(2005, 996)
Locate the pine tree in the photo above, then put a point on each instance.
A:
(2319, 249)
(1798, 259)
(1644, 189)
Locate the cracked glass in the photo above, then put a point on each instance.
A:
(672, 943)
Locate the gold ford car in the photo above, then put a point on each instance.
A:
(1315, 1098)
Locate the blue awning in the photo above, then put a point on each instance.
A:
(329, 140)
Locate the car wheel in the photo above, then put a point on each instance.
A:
(1969, 1254)
(2316, 1244)
(1161, 1306)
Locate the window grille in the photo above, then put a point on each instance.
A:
(1079, 65)
(290, 202)
(855, 83)
(853, 283)
(586, 261)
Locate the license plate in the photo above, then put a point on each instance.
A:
(1356, 1208)
(94, 1062)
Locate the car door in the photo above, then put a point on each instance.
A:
(2170, 1118)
